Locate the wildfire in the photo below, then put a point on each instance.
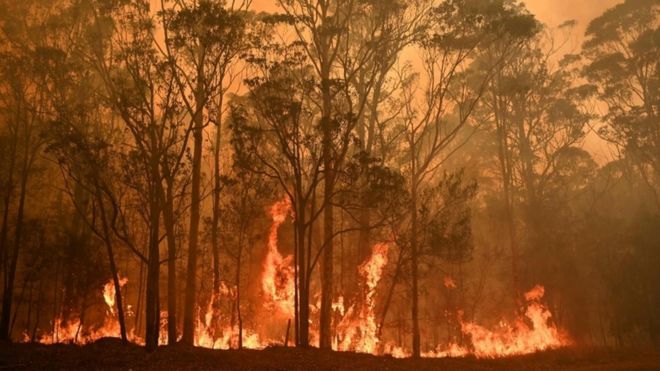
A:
(278, 276)
(519, 337)
(358, 329)
(73, 331)
(356, 321)
(109, 293)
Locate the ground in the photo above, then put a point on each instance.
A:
(110, 354)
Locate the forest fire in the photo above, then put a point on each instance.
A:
(278, 276)
(357, 327)
(400, 181)
(73, 331)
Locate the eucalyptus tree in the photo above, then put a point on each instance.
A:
(437, 112)
(25, 110)
(141, 92)
(622, 53)
(275, 135)
(203, 40)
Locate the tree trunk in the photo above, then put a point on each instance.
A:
(239, 256)
(302, 321)
(505, 168)
(4, 230)
(328, 218)
(169, 223)
(152, 314)
(113, 269)
(416, 349)
(8, 294)
(191, 274)
(215, 223)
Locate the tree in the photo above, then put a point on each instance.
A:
(457, 29)
(142, 93)
(25, 108)
(275, 136)
(622, 53)
(202, 40)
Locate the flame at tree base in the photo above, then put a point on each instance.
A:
(356, 328)
(529, 334)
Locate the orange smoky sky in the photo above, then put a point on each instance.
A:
(552, 13)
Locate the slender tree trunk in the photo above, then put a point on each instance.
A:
(4, 230)
(416, 348)
(303, 287)
(191, 274)
(215, 221)
(505, 168)
(238, 287)
(8, 294)
(152, 313)
(328, 217)
(113, 269)
(169, 223)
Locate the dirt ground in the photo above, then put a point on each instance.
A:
(110, 354)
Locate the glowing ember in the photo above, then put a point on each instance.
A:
(449, 282)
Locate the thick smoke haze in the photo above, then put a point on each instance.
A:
(407, 178)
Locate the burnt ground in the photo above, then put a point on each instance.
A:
(110, 354)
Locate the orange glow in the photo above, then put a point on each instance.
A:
(278, 275)
(519, 337)
(358, 329)
(356, 325)
(73, 331)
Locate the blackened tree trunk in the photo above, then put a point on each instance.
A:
(302, 320)
(169, 224)
(191, 274)
(8, 294)
(414, 262)
(328, 216)
(215, 224)
(113, 268)
(152, 312)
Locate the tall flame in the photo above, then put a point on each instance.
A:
(278, 276)
(109, 293)
(358, 328)
(356, 325)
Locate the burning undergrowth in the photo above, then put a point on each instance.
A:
(355, 322)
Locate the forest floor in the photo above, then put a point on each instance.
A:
(110, 354)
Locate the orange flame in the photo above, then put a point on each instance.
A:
(358, 329)
(510, 339)
(109, 293)
(278, 275)
(519, 337)
(73, 330)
